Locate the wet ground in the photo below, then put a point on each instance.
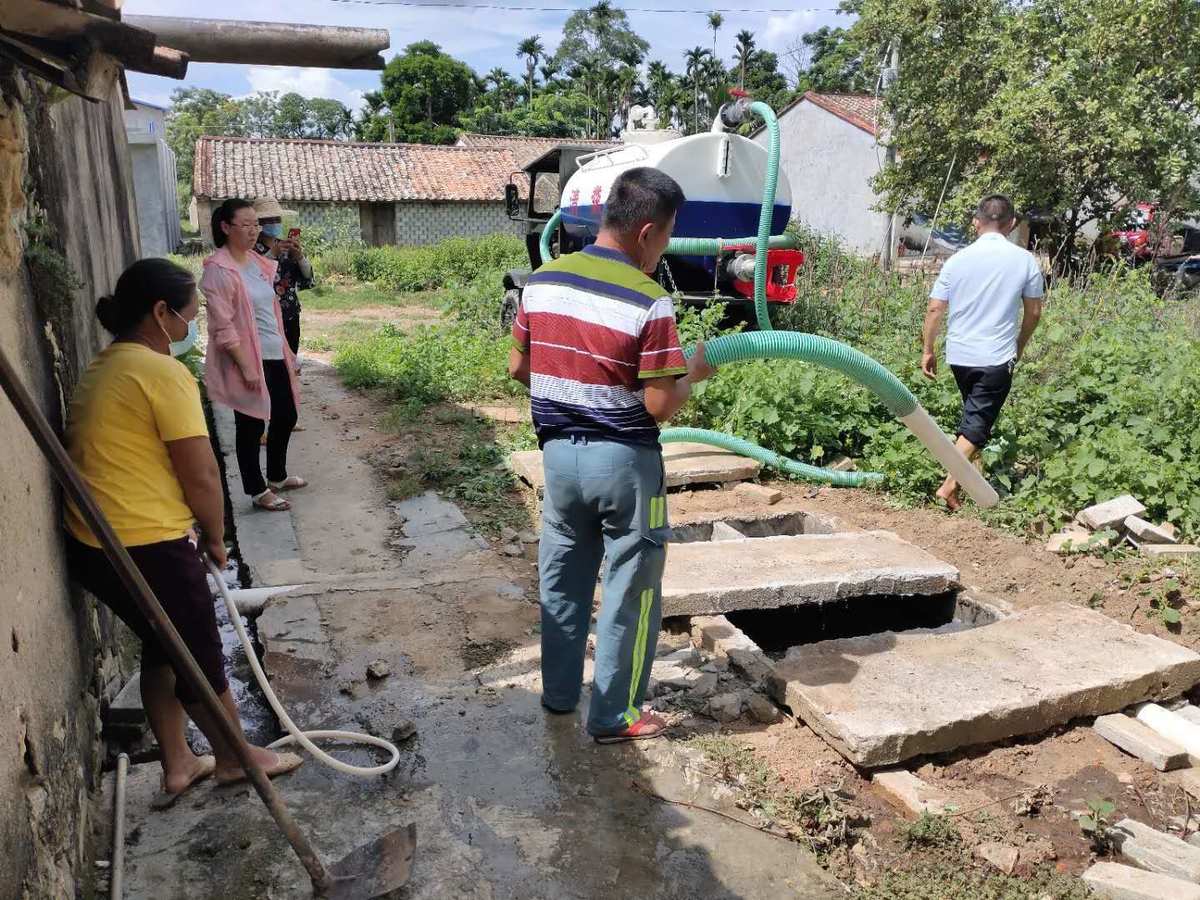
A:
(508, 801)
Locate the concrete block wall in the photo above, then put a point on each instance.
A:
(335, 222)
(64, 166)
(428, 222)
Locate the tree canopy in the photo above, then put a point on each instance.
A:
(422, 94)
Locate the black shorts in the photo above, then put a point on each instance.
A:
(176, 574)
(984, 390)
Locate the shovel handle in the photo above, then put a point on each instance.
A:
(181, 658)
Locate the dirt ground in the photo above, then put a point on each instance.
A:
(1025, 792)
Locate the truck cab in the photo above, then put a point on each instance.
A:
(544, 177)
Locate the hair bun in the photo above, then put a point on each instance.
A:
(106, 310)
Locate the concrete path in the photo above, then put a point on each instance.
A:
(509, 802)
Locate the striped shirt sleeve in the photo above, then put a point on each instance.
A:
(658, 343)
(520, 329)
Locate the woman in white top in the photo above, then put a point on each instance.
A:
(249, 365)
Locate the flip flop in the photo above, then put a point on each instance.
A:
(276, 505)
(291, 483)
(646, 728)
(163, 800)
(284, 763)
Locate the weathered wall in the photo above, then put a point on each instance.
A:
(66, 206)
(428, 223)
(829, 164)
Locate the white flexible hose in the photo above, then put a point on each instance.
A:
(295, 735)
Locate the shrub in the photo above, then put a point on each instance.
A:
(453, 262)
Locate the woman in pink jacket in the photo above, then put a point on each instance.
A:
(249, 365)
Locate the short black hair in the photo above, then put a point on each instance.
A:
(224, 214)
(997, 208)
(641, 195)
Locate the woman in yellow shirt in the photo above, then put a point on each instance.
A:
(138, 435)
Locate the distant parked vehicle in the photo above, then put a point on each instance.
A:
(1134, 237)
(945, 240)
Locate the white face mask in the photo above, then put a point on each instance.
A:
(178, 348)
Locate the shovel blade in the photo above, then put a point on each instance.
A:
(375, 869)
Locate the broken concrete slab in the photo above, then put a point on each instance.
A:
(1112, 513)
(1003, 856)
(1189, 780)
(1148, 532)
(758, 492)
(1170, 551)
(904, 789)
(1155, 850)
(1189, 712)
(1117, 882)
(769, 572)
(1066, 542)
(685, 464)
(127, 709)
(723, 531)
(1172, 727)
(1141, 741)
(885, 698)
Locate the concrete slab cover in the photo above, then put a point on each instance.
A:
(1117, 882)
(764, 573)
(685, 464)
(885, 698)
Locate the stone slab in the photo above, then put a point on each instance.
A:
(1148, 532)
(1117, 882)
(1189, 712)
(1111, 513)
(1189, 780)
(759, 492)
(685, 464)
(885, 698)
(1170, 551)
(1156, 851)
(127, 709)
(790, 570)
(1141, 741)
(909, 792)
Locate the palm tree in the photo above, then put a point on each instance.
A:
(532, 50)
(715, 21)
(745, 46)
(694, 60)
(549, 70)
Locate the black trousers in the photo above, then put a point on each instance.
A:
(984, 390)
(291, 331)
(279, 433)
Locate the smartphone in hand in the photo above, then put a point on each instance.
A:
(293, 234)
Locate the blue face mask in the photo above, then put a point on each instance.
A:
(178, 348)
(273, 229)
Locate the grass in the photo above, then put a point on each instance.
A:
(345, 296)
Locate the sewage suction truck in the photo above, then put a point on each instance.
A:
(729, 245)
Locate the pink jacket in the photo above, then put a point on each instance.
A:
(231, 323)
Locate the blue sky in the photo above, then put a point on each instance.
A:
(482, 38)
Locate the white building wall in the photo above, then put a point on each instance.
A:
(154, 177)
(430, 222)
(829, 164)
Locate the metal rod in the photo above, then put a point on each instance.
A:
(116, 884)
(269, 43)
(181, 658)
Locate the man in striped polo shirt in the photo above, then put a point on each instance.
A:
(595, 342)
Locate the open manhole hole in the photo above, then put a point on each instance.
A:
(797, 578)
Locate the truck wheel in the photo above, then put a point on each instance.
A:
(508, 308)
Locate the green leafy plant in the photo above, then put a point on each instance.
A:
(1096, 824)
(930, 830)
(1162, 598)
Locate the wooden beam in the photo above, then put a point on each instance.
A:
(269, 43)
(46, 20)
(165, 61)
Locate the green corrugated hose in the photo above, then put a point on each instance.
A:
(547, 233)
(768, 457)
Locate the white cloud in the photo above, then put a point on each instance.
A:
(306, 82)
(782, 31)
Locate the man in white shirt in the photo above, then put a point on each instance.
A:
(986, 288)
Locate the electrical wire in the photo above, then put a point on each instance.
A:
(467, 4)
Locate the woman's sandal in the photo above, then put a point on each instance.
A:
(646, 728)
(291, 483)
(163, 800)
(275, 504)
(284, 763)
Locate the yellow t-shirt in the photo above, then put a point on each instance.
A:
(129, 403)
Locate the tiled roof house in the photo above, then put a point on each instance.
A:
(385, 193)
